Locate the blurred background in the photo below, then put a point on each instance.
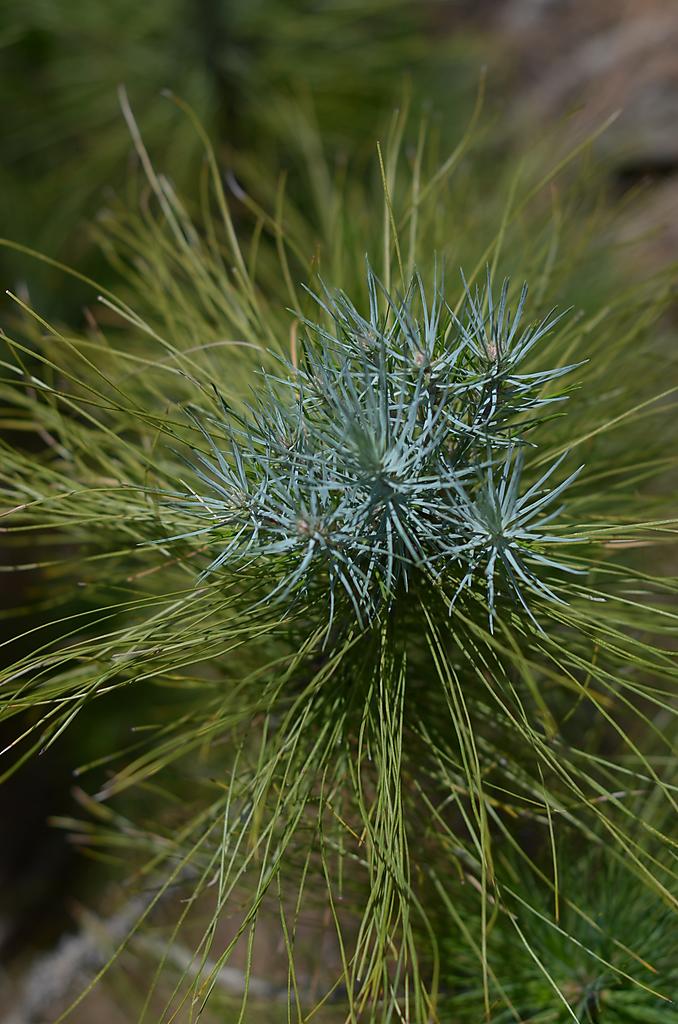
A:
(267, 79)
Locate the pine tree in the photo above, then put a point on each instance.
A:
(385, 546)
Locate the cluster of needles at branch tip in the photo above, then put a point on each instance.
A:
(394, 446)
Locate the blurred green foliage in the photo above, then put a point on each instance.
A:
(256, 73)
